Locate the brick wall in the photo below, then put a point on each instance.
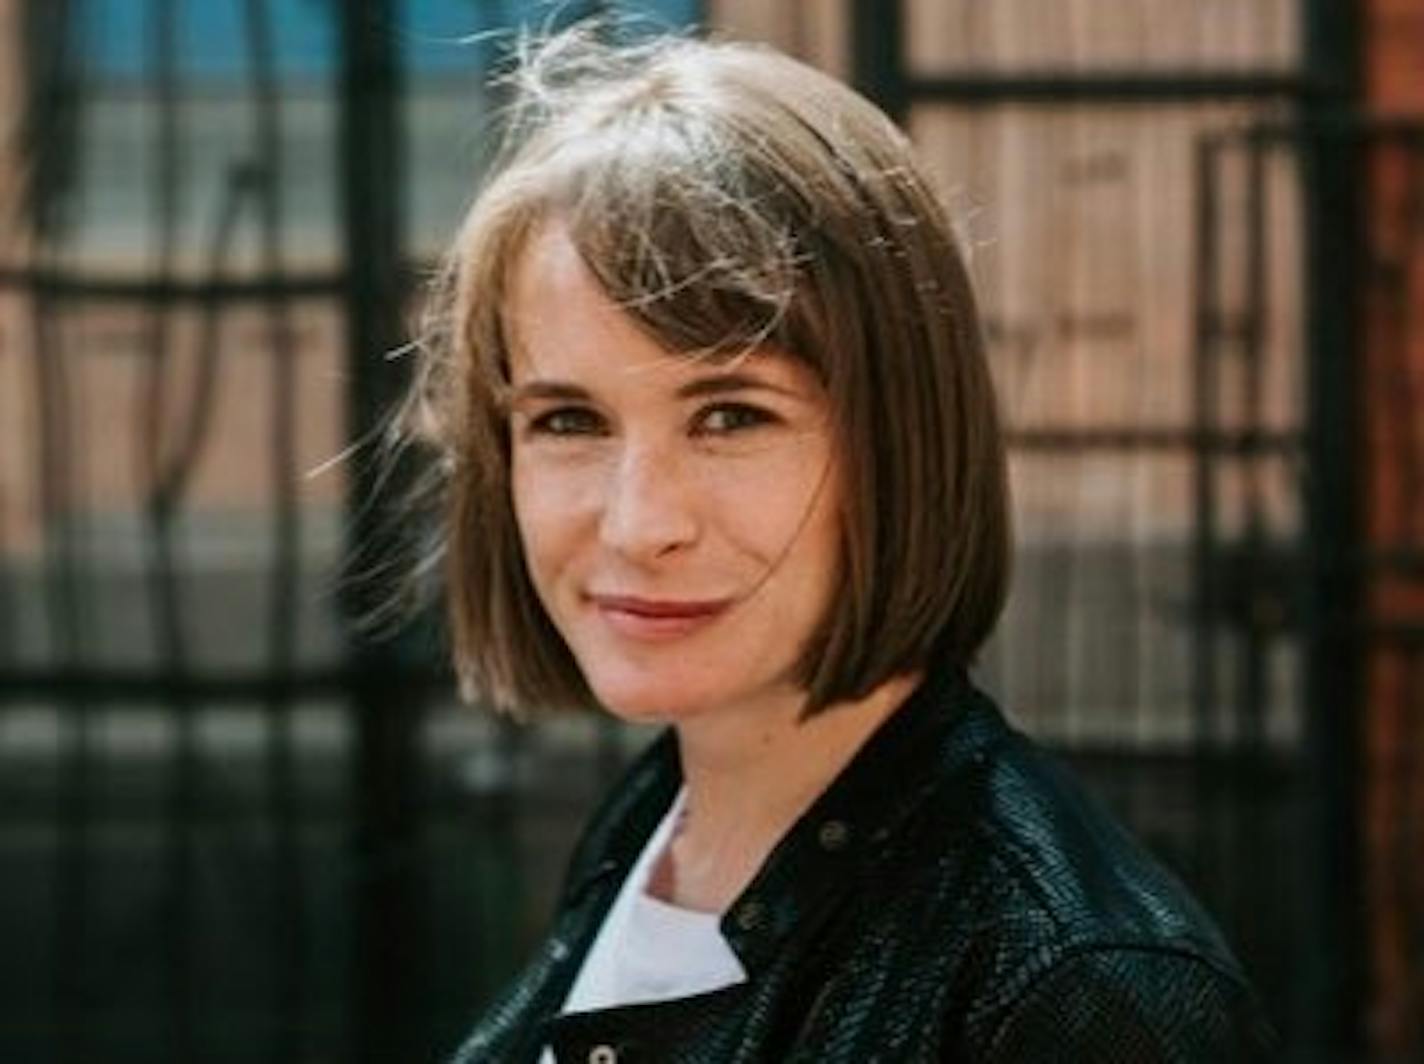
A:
(1394, 522)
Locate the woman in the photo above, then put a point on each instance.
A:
(723, 454)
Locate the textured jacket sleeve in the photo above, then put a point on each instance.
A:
(1133, 1005)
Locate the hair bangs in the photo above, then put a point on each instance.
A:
(683, 237)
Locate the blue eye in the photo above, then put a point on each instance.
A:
(567, 421)
(726, 418)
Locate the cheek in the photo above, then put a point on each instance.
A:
(827, 541)
(825, 537)
(532, 518)
(547, 514)
(790, 523)
(810, 502)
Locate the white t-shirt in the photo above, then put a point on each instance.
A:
(648, 950)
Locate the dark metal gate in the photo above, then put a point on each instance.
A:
(215, 844)
(1339, 579)
(229, 822)
(236, 824)
(1292, 801)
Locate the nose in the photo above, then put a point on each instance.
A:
(649, 508)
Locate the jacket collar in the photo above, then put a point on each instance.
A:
(900, 765)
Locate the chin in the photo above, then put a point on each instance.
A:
(648, 702)
(642, 708)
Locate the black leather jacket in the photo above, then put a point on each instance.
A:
(952, 896)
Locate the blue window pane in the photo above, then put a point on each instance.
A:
(677, 12)
(443, 35)
(210, 37)
(116, 36)
(212, 42)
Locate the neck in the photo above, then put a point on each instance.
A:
(750, 774)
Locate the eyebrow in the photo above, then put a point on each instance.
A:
(538, 389)
(714, 384)
(722, 383)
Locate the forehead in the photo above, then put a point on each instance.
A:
(554, 304)
(560, 323)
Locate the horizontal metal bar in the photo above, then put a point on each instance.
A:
(1109, 87)
(66, 284)
(110, 686)
(1182, 756)
(1397, 561)
(1399, 130)
(1395, 635)
(1372, 564)
(1153, 439)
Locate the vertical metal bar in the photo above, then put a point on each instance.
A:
(52, 75)
(290, 943)
(1210, 843)
(180, 841)
(51, 136)
(1206, 325)
(878, 56)
(63, 606)
(1334, 961)
(1243, 818)
(390, 938)
(1252, 694)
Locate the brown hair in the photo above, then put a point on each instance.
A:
(728, 197)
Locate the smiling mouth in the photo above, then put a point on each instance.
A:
(643, 618)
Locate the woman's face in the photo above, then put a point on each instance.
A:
(680, 519)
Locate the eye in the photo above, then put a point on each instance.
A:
(726, 418)
(567, 421)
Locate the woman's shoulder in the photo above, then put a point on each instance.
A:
(1125, 1002)
(1059, 856)
(1061, 925)
(1028, 847)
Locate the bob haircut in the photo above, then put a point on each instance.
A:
(730, 199)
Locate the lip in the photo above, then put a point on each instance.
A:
(656, 619)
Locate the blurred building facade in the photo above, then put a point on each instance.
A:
(1141, 190)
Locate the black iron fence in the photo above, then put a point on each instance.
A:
(1287, 791)
(228, 815)
(233, 827)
